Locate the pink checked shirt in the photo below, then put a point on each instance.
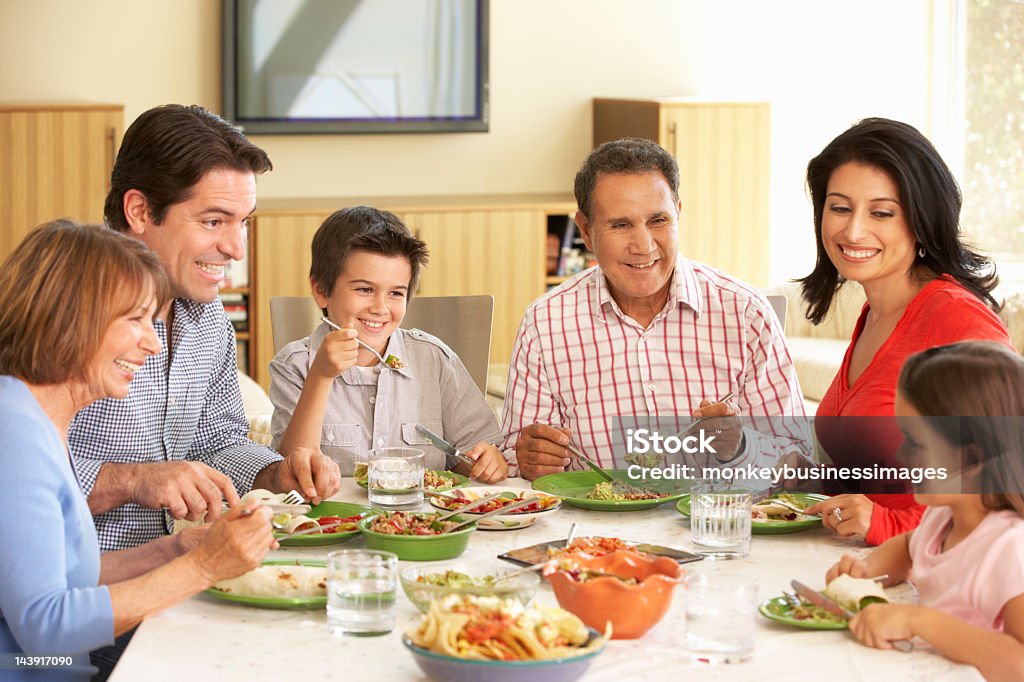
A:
(580, 362)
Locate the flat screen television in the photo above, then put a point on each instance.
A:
(356, 66)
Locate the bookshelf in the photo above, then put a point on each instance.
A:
(236, 297)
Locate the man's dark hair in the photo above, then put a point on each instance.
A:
(929, 197)
(625, 155)
(362, 228)
(167, 150)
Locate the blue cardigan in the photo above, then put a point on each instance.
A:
(50, 600)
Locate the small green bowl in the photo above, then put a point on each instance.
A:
(419, 547)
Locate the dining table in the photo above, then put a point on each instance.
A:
(205, 638)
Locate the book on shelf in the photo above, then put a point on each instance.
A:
(236, 274)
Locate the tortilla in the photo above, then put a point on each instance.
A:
(856, 593)
(278, 581)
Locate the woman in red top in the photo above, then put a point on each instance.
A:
(887, 216)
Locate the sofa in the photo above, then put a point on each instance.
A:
(818, 350)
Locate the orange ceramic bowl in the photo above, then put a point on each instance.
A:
(631, 609)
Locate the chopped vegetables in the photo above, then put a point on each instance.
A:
(402, 523)
(393, 362)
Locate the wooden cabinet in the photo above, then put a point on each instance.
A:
(722, 149)
(55, 162)
(478, 245)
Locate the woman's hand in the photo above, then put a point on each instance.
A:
(235, 544)
(846, 515)
(490, 466)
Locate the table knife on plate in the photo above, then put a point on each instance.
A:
(444, 446)
(837, 609)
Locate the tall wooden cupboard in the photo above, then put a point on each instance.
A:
(55, 162)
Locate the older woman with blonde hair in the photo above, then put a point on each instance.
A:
(76, 321)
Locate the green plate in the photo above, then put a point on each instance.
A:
(779, 610)
(276, 602)
(342, 509)
(573, 486)
(419, 547)
(771, 527)
(457, 481)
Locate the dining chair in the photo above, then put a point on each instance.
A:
(462, 322)
(779, 304)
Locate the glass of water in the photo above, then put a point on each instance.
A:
(396, 478)
(361, 585)
(721, 616)
(720, 522)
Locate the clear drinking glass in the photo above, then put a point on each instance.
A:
(720, 522)
(396, 478)
(721, 613)
(361, 586)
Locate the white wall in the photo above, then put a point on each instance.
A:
(822, 64)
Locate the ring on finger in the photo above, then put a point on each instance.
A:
(838, 514)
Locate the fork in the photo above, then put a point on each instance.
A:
(293, 497)
(689, 427)
(360, 342)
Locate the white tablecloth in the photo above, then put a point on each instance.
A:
(205, 638)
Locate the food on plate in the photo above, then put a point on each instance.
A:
(806, 612)
(452, 578)
(593, 547)
(621, 493)
(649, 460)
(293, 523)
(855, 593)
(460, 498)
(296, 581)
(489, 628)
(393, 362)
(403, 523)
(435, 479)
(770, 510)
(852, 593)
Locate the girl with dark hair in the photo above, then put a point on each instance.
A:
(960, 409)
(887, 216)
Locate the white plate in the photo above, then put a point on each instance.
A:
(512, 521)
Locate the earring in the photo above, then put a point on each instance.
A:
(920, 252)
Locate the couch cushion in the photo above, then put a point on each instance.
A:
(817, 362)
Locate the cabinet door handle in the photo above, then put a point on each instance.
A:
(112, 139)
(672, 138)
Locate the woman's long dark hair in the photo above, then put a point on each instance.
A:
(928, 195)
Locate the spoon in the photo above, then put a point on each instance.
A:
(361, 343)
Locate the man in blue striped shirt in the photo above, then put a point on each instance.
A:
(184, 183)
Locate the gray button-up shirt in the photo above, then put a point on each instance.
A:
(378, 407)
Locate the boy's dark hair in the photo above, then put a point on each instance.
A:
(362, 228)
(167, 150)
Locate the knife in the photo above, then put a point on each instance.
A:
(837, 609)
(444, 446)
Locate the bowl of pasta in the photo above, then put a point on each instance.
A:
(465, 638)
(416, 537)
(426, 582)
(630, 590)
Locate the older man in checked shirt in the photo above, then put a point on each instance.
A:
(184, 183)
(645, 334)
